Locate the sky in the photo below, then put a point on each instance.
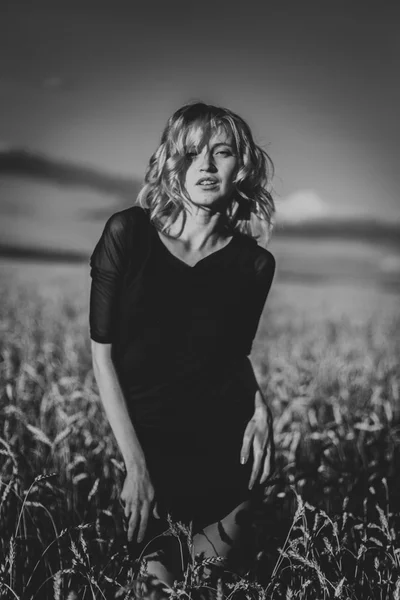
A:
(89, 85)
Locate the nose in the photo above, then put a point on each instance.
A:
(206, 162)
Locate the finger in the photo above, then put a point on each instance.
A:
(247, 439)
(143, 523)
(127, 510)
(256, 469)
(267, 465)
(269, 461)
(155, 511)
(258, 454)
(133, 523)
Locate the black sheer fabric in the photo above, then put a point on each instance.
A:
(180, 338)
(108, 261)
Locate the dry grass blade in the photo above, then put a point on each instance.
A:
(39, 435)
(334, 389)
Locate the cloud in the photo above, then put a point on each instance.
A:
(304, 214)
(302, 206)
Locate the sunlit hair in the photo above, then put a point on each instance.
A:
(163, 193)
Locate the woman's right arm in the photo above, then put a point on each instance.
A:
(115, 406)
(108, 265)
(138, 491)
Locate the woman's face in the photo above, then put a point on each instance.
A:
(210, 175)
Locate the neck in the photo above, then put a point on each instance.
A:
(198, 228)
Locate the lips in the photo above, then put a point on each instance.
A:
(207, 180)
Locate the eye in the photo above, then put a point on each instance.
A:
(225, 152)
(190, 155)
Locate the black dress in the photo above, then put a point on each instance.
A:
(181, 336)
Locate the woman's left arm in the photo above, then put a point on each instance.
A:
(258, 435)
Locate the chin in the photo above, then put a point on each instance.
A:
(207, 199)
(206, 202)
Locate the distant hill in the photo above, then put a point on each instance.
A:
(36, 254)
(34, 165)
(365, 229)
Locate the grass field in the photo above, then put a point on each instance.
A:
(329, 526)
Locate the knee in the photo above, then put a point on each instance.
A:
(149, 588)
(160, 568)
(153, 580)
(232, 538)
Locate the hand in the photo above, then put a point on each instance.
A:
(258, 434)
(138, 497)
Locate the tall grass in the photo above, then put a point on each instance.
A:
(329, 523)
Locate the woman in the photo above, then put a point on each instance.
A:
(178, 286)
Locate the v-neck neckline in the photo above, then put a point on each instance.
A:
(186, 265)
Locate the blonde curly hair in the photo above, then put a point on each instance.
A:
(163, 194)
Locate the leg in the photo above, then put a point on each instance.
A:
(160, 575)
(229, 537)
(165, 558)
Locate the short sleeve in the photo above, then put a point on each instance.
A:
(265, 265)
(108, 262)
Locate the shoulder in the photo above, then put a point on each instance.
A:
(264, 261)
(258, 258)
(125, 226)
(124, 220)
(119, 231)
